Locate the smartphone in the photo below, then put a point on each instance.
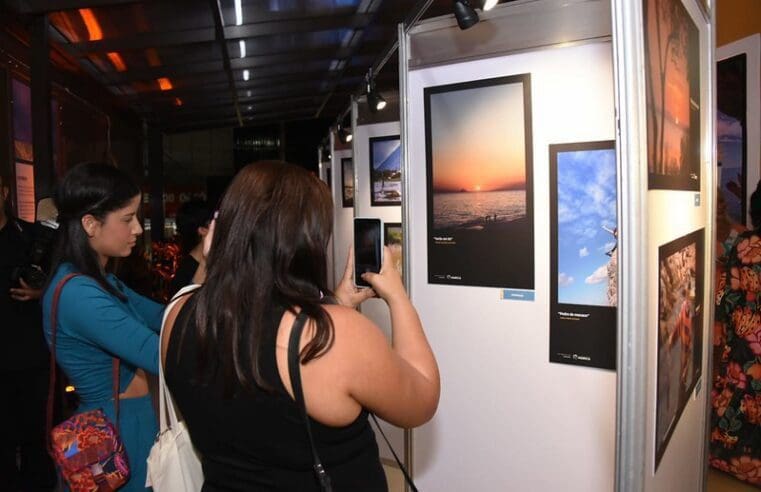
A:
(368, 248)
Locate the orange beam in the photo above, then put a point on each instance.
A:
(117, 60)
(91, 23)
(165, 84)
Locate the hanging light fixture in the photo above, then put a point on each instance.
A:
(465, 14)
(374, 98)
(344, 135)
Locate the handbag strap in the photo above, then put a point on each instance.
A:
(294, 372)
(398, 461)
(166, 403)
(115, 364)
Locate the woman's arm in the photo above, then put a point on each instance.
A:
(151, 311)
(88, 311)
(400, 383)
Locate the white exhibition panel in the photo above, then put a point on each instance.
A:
(326, 169)
(671, 215)
(375, 309)
(508, 419)
(342, 218)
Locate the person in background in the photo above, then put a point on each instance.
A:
(24, 461)
(99, 318)
(735, 441)
(225, 346)
(192, 225)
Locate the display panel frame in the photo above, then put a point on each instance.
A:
(373, 142)
(471, 266)
(688, 177)
(666, 251)
(580, 334)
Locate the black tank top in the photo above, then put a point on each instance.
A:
(257, 440)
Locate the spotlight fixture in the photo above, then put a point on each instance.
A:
(465, 14)
(344, 135)
(246, 75)
(374, 99)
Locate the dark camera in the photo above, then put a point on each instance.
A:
(34, 272)
(32, 275)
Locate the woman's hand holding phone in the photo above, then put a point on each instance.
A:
(348, 294)
(387, 284)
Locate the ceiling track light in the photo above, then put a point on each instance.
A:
(344, 135)
(375, 100)
(465, 14)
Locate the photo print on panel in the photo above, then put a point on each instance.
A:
(672, 68)
(583, 254)
(480, 188)
(385, 171)
(731, 129)
(392, 237)
(347, 182)
(680, 332)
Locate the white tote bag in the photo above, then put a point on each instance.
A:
(173, 463)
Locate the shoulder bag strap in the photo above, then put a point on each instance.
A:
(166, 403)
(398, 461)
(53, 367)
(53, 330)
(294, 372)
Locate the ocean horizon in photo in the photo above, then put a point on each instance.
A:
(453, 210)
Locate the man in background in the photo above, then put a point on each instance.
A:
(24, 461)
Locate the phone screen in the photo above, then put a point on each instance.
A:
(368, 245)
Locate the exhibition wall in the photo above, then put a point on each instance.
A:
(343, 215)
(679, 279)
(508, 418)
(665, 99)
(364, 195)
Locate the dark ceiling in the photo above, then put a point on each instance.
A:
(180, 64)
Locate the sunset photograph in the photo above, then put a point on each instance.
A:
(479, 165)
(673, 96)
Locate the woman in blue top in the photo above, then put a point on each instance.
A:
(99, 317)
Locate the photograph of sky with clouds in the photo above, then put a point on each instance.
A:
(586, 222)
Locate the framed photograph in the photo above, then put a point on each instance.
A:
(680, 332)
(392, 237)
(385, 171)
(583, 254)
(731, 129)
(672, 67)
(480, 188)
(347, 182)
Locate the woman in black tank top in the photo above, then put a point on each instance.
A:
(226, 355)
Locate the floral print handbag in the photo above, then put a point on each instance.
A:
(86, 448)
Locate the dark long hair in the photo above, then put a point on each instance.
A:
(269, 249)
(91, 188)
(190, 217)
